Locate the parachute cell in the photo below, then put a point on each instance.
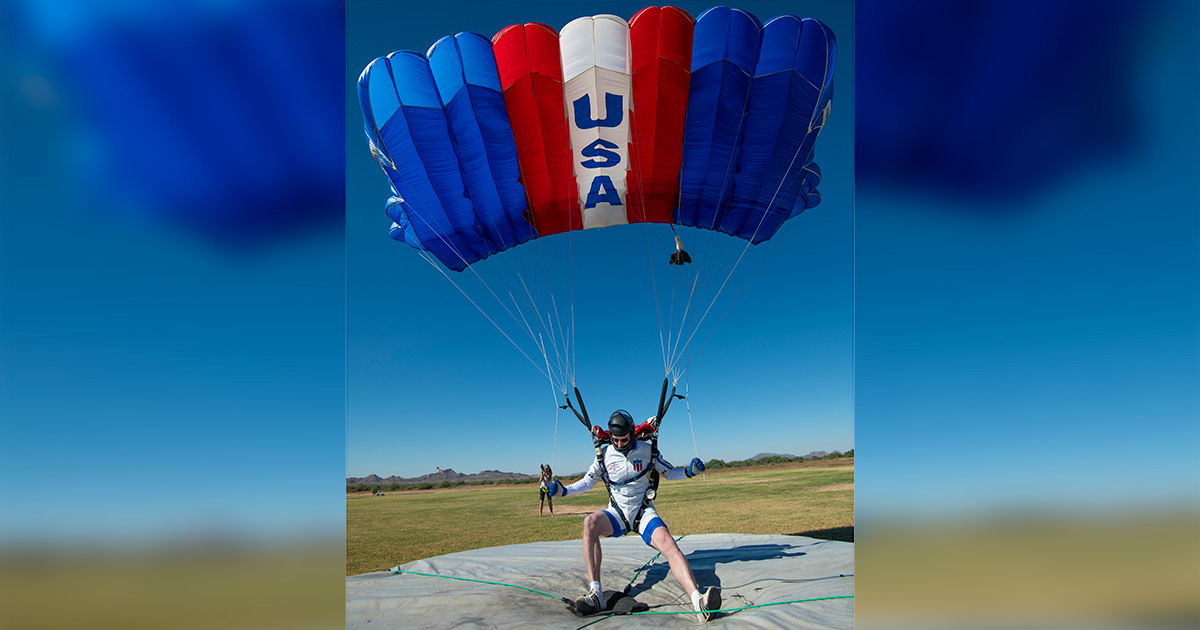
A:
(724, 56)
(422, 165)
(467, 80)
(598, 90)
(661, 59)
(530, 70)
(788, 105)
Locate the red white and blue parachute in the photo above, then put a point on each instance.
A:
(708, 123)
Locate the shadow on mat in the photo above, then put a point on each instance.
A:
(705, 561)
(842, 534)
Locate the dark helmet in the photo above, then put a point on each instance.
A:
(620, 423)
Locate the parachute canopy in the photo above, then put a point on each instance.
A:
(708, 123)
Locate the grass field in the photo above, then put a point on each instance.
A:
(809, 498)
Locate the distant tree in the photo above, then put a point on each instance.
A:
(374, 489)
(714, 464)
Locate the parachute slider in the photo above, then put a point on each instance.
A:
(679, 257)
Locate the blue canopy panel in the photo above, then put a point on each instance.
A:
(464, 69)
(724, 55)
(420, 160)
(440, 131)
(788, 107)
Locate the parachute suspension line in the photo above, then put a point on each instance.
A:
(568, 349)
(429, 259)
(558, 357)
(672, 338)
(676, 281)
(745, 249)
(571, 292)
(714, 301)
(664, 344)
(546, 329)
(499, 301)
(787, 228)
(539, 343)
(687, 399)
(821, 127)
(686, 310)
(554, 396)
(533, 301)
(707, 249)
(763, 219)
(538, 340)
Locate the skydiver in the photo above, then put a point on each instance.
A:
(625, 459)
(543, 496)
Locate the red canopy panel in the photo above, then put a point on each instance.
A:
(530, 67)
(660, 41)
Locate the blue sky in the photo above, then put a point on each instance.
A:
(155, 382)
(432, 384)
(1032, 346)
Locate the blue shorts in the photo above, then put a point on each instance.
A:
(650, 522)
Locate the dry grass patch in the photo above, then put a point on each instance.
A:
(384, 531)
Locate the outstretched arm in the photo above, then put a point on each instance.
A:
(674, 474)
(557, 489)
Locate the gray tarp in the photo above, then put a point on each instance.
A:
(749, 569)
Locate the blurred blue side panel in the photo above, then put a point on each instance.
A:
(1030, 100)
(788, 107)
(211, 116)
(430, 209)
(724, 54)
(464, 69)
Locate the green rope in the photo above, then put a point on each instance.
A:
(398, 571)
(648, 563)
(595, 621)
(721, 610)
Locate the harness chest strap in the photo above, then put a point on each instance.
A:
(609, 483)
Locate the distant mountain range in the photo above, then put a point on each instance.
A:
(448, 474)
(809, 456)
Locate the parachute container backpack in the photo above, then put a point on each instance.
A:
(499, 149)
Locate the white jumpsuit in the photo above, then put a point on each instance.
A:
(628, 489)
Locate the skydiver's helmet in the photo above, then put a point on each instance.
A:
(620, 424)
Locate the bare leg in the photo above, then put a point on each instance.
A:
(550, 502)
(682, 571)
(542, 504)
(595, 527)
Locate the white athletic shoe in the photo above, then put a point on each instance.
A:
(709, 600)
